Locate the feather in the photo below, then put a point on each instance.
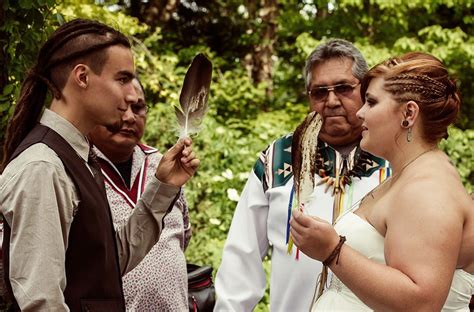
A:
(303, 157)
(194, 96)
(303, 153)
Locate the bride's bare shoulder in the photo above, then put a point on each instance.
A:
(434, 182)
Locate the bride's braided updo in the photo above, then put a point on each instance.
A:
(422, 78)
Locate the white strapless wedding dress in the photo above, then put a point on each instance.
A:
(364, 238)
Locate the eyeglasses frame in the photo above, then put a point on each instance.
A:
(331, 88)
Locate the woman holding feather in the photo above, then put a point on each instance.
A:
(410, 242)
(332, 74)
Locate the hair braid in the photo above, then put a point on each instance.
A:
(77, 39)
(422, 78)
(25, 115)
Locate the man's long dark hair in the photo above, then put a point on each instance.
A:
(78, 41)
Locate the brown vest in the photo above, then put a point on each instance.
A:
(94, 281)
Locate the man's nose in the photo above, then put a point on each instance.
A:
(132, 96)
(128, 115)
(332, 99)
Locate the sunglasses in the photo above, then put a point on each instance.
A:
(320, 94)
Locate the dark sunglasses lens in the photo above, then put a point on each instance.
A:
(343, 89)
(319, 94)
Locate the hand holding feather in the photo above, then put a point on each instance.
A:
(178, 164)
(194, 96)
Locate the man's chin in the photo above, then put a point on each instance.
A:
(336, 130)
(337, 138)
(124, 143)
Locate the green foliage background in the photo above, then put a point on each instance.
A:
(242, 119)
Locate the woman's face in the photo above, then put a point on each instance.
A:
(381, 117)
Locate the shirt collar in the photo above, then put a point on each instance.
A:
(329, 155)
(101, 155)
(65, 129)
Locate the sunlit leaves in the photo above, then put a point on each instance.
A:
(87, 9)
(23, 29)
(459, 147)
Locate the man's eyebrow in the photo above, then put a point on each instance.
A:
(126, 73)
(338, 82)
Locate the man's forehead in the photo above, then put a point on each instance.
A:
(120, 59)
(333, 71)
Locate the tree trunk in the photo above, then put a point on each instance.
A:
(372, 10)
(160, 11)
(3, 83)
(136, 9)
(3, 39)
(322, 11)
(260, 63)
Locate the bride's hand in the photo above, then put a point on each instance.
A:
(313, 236)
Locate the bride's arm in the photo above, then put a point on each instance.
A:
(422, 244)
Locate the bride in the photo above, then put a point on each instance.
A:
(409, 244)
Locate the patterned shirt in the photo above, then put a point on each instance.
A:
(159, 282)
(260, 222)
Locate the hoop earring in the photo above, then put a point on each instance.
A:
(409, 135)
(405, 123)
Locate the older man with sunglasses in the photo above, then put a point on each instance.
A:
(333, 73)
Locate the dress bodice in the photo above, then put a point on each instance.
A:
(361, 236)
(364, 238)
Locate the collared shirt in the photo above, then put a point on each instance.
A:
(39, 200)
(260, 222)
(160, 281)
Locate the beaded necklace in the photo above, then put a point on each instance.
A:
(345, 168)
(336, 172)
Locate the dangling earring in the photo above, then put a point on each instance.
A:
(409, 135)
(405, 125)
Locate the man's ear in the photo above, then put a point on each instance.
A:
(410, 112)
(80, 74)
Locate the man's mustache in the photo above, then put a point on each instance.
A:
(334, 113)
(115, 127)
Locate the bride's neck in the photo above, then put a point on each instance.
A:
(404, 157)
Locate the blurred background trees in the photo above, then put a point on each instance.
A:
(258, 50)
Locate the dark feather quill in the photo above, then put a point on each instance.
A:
(194, 95)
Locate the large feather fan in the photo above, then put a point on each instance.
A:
(194, 95)
(303, 158)
(303, 154)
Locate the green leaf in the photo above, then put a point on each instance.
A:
(25, 4)
(8, 89)
(60, 18)
(4, 107)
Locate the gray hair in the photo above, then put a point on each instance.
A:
(335, 48)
